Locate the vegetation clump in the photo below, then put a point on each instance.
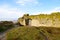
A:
(4, 25)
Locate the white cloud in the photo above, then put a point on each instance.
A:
(23, 2)
(7, 12)
(57, 9)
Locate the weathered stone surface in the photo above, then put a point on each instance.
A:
(42, 20)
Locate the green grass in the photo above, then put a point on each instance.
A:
(33, 33)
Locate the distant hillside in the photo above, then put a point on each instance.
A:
(5, 25)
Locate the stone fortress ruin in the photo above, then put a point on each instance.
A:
(52, 19)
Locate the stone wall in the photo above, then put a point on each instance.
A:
(43, 20)
(36, 22)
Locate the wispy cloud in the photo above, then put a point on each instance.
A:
(57, 9)
(8, 12)
(24, 2)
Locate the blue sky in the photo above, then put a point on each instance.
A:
(13, 9)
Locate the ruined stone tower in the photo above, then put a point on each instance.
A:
(25, 20)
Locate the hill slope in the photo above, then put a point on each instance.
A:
(34, 33)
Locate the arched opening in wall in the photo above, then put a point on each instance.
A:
(26, 22)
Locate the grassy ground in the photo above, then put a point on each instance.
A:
(33, 33)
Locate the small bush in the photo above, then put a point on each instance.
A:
(4, 25)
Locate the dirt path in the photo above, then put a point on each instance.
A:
(2, 35)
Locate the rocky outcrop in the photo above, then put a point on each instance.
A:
(42, 20)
